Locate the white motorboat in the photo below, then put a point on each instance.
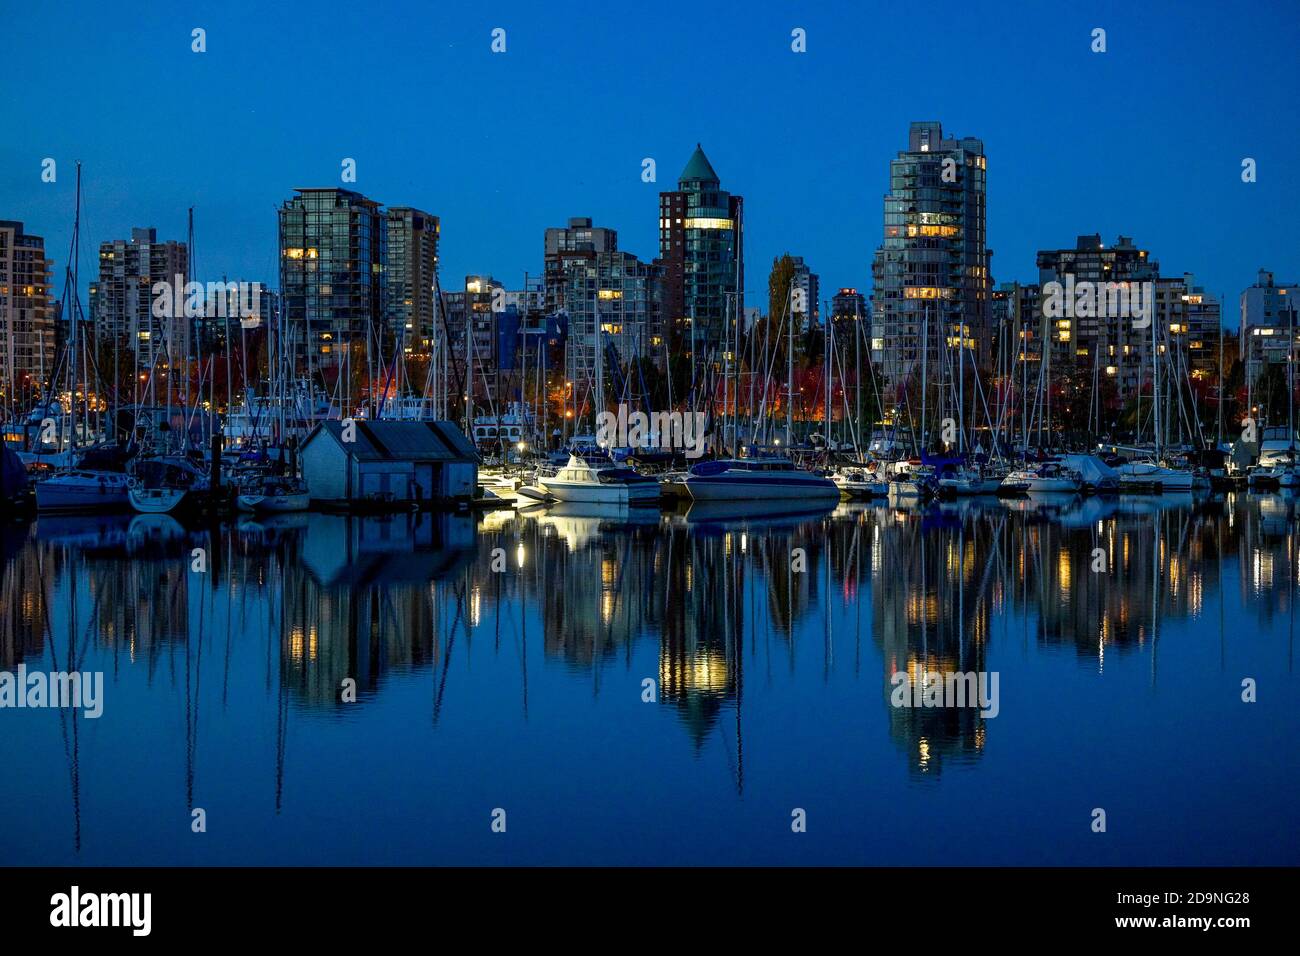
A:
(757, 479)
(599, 481)
(1016, 481)
(860, 481)
(83, 490)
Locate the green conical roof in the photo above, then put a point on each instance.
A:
(698, 168)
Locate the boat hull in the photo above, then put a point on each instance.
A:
(863, 489)
(1067, 485)
(274, 504)
(55, 495)
(735, 487)
(157, 501)
(592, 493)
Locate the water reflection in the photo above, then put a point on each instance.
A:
(737, 617)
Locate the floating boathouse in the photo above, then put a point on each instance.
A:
(377, 465)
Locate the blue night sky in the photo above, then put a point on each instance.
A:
(1146, 139)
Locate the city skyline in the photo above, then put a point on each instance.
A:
(501, 184)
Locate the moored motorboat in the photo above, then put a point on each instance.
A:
(757, 479)
(860, 481)
(593, 479)
(1016, 481)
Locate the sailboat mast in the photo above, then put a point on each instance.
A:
(1218, 415)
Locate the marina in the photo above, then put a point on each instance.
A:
(636, 444)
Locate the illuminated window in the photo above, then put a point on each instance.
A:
(705, 222)
(941, 231)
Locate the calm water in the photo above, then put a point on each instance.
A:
(522, 688)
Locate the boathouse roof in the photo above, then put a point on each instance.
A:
(400, 441)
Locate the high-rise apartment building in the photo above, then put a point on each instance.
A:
(473, 310)
(578, 243)
(332, 256)
(701, 250)
(931, 272)
(1269, 314)
(410, 275)
(620, 295)
(27, 327)
(122, 300)
(1106, 337)
(807, 286)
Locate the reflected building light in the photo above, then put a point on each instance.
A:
(708, 672)
(520, 554)
(1262, 570)
(475, 606)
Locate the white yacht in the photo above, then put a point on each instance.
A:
(757, 479)
(860, 481)
(599, 481)
(82, 490)
(1054, 477)
(1141, 475)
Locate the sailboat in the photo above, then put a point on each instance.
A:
(273, 494)
(92, 478)
(83, 490)
(164, 479)
(1054, 477)
(162, 484)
